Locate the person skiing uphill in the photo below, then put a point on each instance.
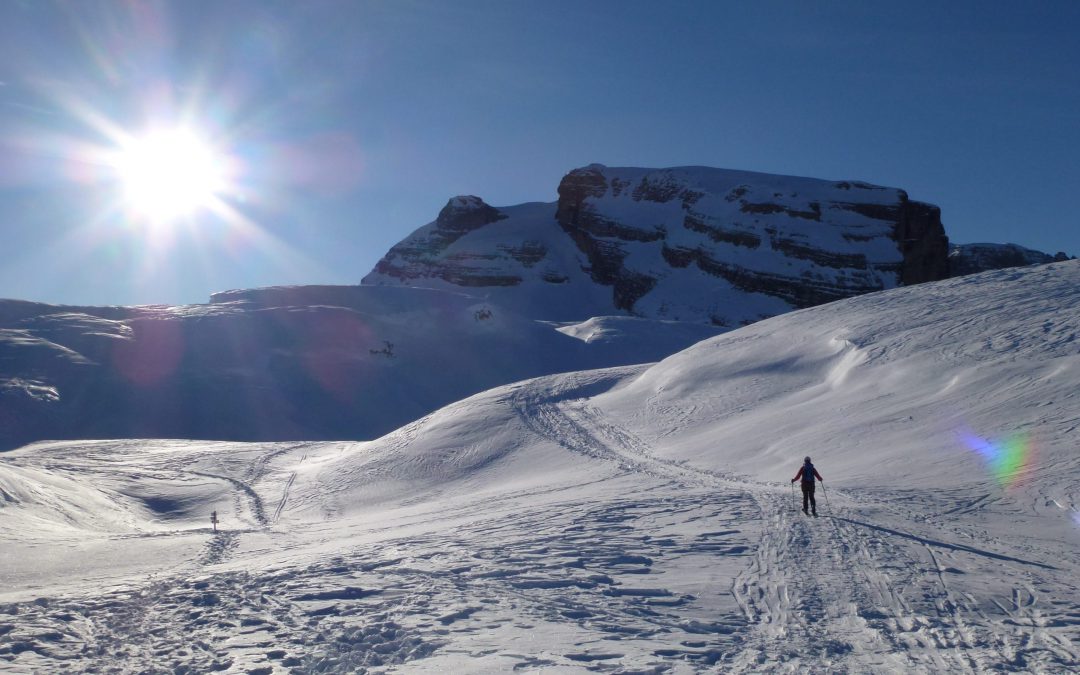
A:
(807, 472)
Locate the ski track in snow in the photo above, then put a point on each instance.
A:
(804, 595)
(835, 592)
(692, 571)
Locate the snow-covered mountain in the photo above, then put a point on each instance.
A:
(478, 298)
(629, 519)
(312, 362)
(688, 243)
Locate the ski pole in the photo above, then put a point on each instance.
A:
(794, 503)
(826, 493)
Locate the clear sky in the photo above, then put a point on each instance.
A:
(344, 125)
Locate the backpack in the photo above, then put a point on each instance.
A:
(808, 472)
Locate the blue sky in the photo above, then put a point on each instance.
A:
(353, 122)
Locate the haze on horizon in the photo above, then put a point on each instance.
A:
(336, 128)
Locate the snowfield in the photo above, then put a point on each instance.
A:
(631, 519)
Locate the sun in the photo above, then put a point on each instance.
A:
(168, 174)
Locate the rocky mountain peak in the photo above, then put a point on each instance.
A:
(687, 243)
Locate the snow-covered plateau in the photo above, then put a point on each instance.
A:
(630, 519)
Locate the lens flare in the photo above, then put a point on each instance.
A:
(1008, 460)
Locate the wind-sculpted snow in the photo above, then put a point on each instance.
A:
(917, 369)
(636, 519)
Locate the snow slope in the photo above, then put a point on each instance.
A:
(634, 519)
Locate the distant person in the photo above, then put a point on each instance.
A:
(807, 472)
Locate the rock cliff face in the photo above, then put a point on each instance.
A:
(690, 243)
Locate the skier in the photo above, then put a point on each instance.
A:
(807, 473)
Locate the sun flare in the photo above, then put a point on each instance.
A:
(168, 174)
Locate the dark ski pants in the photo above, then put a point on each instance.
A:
(808, 496)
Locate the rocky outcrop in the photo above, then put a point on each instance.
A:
(424, 252)
(464, 214)
(974, 258)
